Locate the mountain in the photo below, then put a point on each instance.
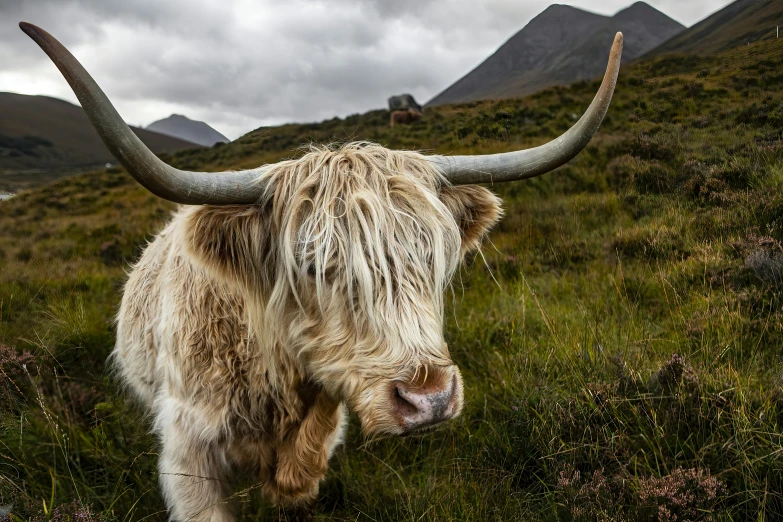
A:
(736, 24)
(186, 129)
(53, 137)
(561, 45)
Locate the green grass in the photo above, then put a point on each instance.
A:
(620, 337)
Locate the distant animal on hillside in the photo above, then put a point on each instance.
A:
(279, 298)
(404, 102)
(404, 117)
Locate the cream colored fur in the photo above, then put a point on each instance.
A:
(249, 331)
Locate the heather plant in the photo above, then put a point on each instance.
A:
(766, 261)
(675, 373)
(684, 495)
(596, 497)
(73, 512)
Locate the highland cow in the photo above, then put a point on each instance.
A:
(404, 117)
(277, 299)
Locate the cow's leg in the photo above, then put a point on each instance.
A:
(193, 468)
(303, 456)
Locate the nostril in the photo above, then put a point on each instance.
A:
(404, 406)
(418, 407)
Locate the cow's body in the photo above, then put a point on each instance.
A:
(245, 364)
(404, 117)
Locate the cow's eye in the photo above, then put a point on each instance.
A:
(311, 269)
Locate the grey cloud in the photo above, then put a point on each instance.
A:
(412, 10)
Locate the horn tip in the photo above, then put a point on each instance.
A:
(618, 38)
(29, 29)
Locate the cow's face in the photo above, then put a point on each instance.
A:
(369, 242)
(349, 259)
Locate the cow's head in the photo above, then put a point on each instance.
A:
(346, 258)
(344, 254)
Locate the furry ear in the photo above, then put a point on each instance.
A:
(475, 209)
(233, 242)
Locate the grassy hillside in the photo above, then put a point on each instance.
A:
(621, 337)
(42, 139)
(735, 25)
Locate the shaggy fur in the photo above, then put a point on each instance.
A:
(249, 331)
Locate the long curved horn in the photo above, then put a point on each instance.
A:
(511, 166)
(192, 188)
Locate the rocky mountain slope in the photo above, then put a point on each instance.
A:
(42, 138)
(739, 23)
(560, 46)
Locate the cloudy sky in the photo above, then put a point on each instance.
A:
(241, 64)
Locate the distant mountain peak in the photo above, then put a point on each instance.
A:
(561, 45)
(637, 8)
(180, 126)
(561, 12)
(640, 6)
(556, 8)
(641, 11)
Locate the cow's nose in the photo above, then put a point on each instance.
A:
(420, 407)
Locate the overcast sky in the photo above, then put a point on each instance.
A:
(241, 64)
